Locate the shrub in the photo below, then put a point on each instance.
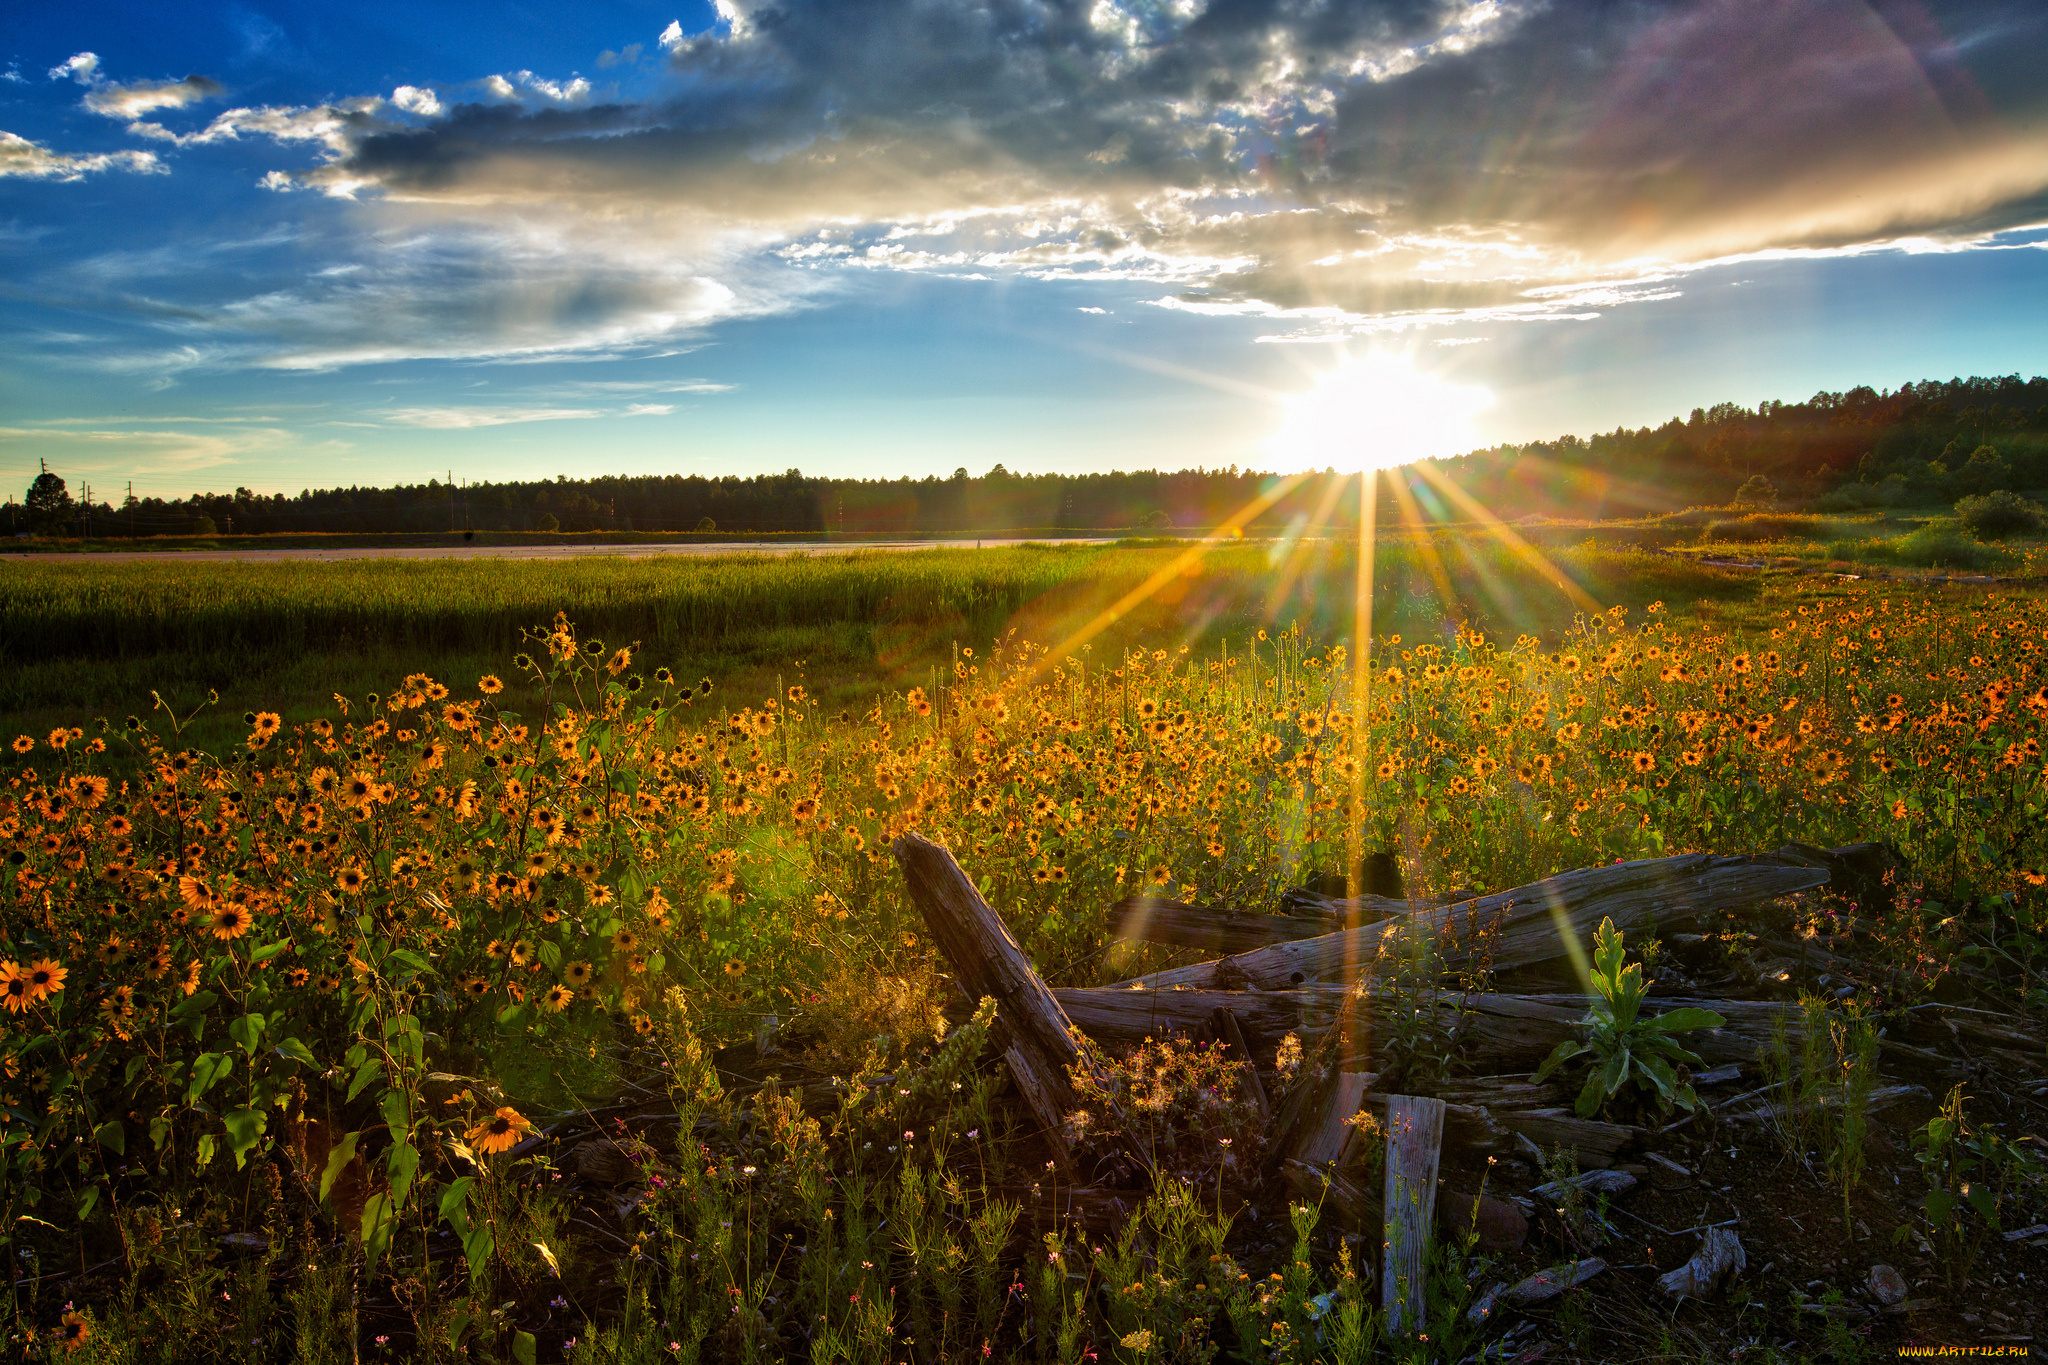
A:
(2001, 513)
(1756, 529)
(1935, 547)
(1756, 491)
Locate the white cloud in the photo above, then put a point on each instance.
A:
(415, 100)
(1091, 310)
(83, 67)
(500, 87)
(458, 419)
(672, 36)
(140, 97)
(29, 161)
(134, 450)
(649, 409)
(571, 91)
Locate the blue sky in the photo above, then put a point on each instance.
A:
(285, 248)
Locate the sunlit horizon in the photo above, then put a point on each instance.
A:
(1376, 411)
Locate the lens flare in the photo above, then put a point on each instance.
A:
(1376, 412)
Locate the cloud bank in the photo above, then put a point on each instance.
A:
(1331, 167)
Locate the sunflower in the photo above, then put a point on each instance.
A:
(642, 1025)
(231, 922)
(490, 684)
(475, 986)
(14, 988)
(45, 979)
(297, 976)
(23, 744)
(349, 879)
(735, 967)
(557, 998)
(1642, 761)
(625, 941)
(500, 1132)
(577, 974)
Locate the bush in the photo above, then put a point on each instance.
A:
(1998, 514)
(1933, 547)
(1755, 529)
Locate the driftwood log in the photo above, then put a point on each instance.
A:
(1509, 1031)
(1528, 926)
(1037, 1037)
(1415, 1134)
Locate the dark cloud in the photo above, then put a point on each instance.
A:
(1372, 159)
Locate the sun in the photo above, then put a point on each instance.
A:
(1375, 412)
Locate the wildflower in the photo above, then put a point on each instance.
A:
(1642, 761)
(350, 879)
(577, 974)
(14, 990)
(45, 979)
(23, 744)
(490, 684)
(557, 998)
(499, 1132)
(735, 967)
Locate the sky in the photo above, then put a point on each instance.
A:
(279, 248)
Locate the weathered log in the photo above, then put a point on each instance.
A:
(1527, 926)
(1357, 1205)
(1233, 1039)
(1592, 1142)
(1323, 1133)
(1037, 1036)
(1509, 1031)
(1720, 1255)
(1214, 929)
(1548, 1284)
(1415, 1131)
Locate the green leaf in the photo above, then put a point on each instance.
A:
(344, 1152)
(113, 1136)
(269, 950)
(378, 1218)
(202, 1155)
(208, 1068)
(524, 1348)
(550, 956)
(413, 960)
(245, 1130)
(159, 1131)
(87, 1200)
(402, 1164)
(1589, 1097)
(1559, 1055)
(248, 1031)
(197, 1003)
(293, 1050)
(454, 1208)
(366, 1073)
(1683, 1020)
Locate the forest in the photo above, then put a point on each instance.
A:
(1927, 443)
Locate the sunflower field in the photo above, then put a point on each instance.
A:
(317, 992)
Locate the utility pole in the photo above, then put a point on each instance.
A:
(85, 514)
(451, 501)
(129, 503)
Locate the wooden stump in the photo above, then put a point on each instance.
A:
(1415, 1130)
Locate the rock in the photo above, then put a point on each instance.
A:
(1548, 1284)
(1500, 1225)
(1719, 1256)
(1610, 1181)
(1887, 1285)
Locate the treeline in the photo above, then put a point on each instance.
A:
(1928, 442)
(1925, 443)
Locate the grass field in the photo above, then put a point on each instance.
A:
(306, 981)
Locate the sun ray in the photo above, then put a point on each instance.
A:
(1532, 556)
(1231, 526)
